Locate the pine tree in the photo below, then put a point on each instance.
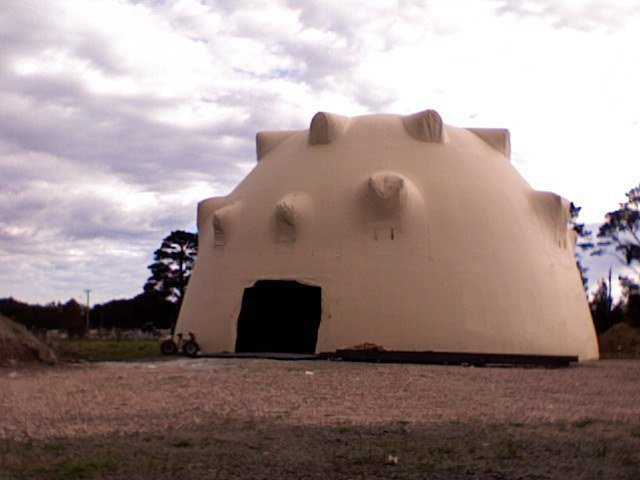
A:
(622, 230)
(631, 297)
(172, 267)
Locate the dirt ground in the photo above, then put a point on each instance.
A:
(241, 418)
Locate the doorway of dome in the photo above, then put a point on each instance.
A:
(279, 316)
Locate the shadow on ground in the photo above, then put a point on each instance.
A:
(219, 448)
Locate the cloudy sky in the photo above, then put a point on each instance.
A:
(117, 116)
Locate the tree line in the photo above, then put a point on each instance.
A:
(618, 236)
(156, 307)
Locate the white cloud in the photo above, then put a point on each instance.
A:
(117, 117)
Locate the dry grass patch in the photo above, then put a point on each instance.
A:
(107, 350)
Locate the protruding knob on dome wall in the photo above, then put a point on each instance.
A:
(222, 221)
(555, 212)
(291, 213)
(326, 127)
(286, 211)
(219, 236)
(268, 141)
(387, 191)
(386, 185)
(205, 210)
(498, 138)
(426, 126)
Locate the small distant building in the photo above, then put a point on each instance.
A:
(398, 231)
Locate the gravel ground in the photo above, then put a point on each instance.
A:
(238, 418)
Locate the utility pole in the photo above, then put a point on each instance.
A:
(87, 291)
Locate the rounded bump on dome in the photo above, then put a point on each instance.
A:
(286, 211)
(497, 138)
(426, 126)
(388, 194)
(386, 185)
(205, 209)
(555, 213)
(326, 127)
(222, 219)
(292, 212)
(269, 141)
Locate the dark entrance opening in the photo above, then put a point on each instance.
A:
(279, 316)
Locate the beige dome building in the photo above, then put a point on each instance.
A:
(399, 231)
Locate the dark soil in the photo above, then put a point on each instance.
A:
(620, 341)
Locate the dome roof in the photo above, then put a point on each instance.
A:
(421, 235)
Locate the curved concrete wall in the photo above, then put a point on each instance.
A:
(422, 236)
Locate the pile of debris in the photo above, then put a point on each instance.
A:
(620, 341)
(367, 347)
(17, 344)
